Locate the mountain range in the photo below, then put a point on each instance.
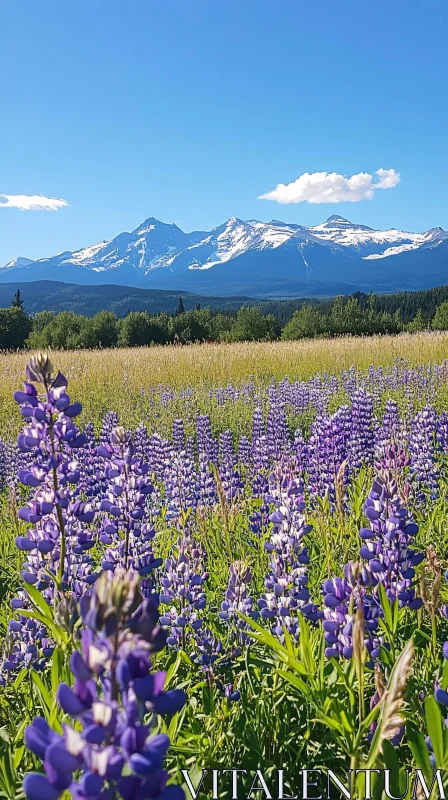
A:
(260, 259)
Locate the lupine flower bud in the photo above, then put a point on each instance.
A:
(39, 368)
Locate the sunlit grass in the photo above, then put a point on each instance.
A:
(121, 379)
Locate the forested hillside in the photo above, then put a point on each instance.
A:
(358, 314)
(121, 300)
(89, 300)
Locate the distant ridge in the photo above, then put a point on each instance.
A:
(89, 300)
(252, 258)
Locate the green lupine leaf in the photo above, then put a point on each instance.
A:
(434, 725)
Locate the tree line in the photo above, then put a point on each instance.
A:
(343, 315)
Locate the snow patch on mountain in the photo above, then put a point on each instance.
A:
(84, 257)
(431, 238)
(341, 231)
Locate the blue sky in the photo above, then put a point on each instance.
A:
(188, 110)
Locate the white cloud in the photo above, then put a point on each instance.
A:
(32, 202)
(388, 179)
(330, 187)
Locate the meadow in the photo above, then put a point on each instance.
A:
(221, 556)
(129, 380)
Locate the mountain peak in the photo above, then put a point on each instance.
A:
(154, 222)
(232, 222)
(337, 218)
(18, 262)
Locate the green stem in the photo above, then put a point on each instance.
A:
(434, 636)
(353, 768)
(58, 511)
(360, 668)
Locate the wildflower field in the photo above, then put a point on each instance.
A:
(224, 556)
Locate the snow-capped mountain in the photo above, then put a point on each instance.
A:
(259, 258)
(17, 263)
(371, 243)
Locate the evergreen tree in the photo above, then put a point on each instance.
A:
(17, 302)
(180, 307)
(15, 327)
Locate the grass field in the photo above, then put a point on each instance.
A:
(122, 379)
(296, 539)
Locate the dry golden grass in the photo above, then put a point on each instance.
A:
(104, 379)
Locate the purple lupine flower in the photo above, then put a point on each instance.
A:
(259, 516)
(360, 440)
(207, 445)
(390, 562)
(442, 432)
(3, 467)
(226, 449)
(190, 449)
(111, 750)
(207, 650)
(300, 397)
(178, 435)
(260, 454)
(394, 460)
(422, 449)
(167, 395)
(141, 443)
(237, 599)
(327, 447)
(287, 581)
(387, 542)
(337, 622)
(58, 538)
(110, 421)
(390, 432)
(228, 471)
(349, 380)
(258, 429)
(183, 592)
(128, 521)
(92, 483)
(244, 452)
(180, 487)
(231, 694)
(206, 491)
(277, 435)
(157, 450)
(342, 599)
